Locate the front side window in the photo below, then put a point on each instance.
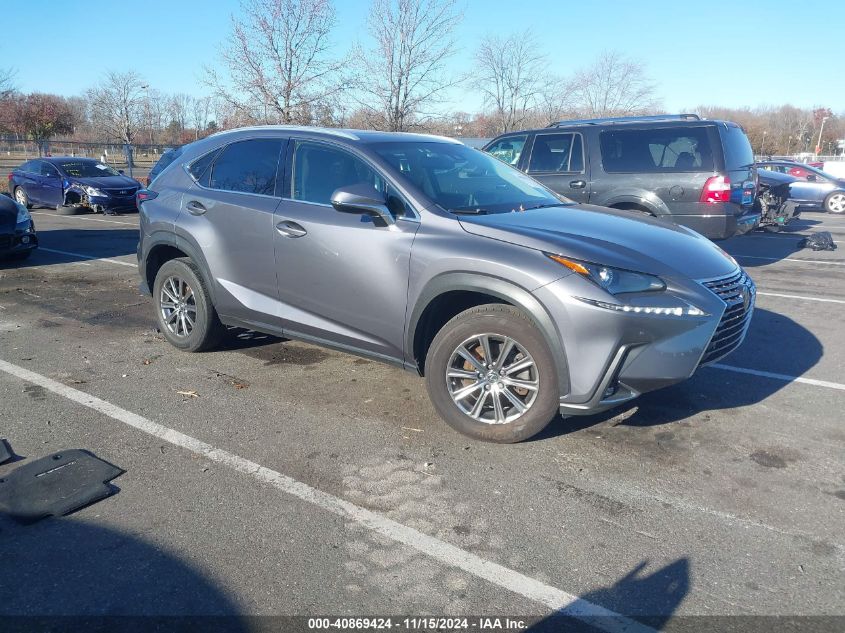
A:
(508, 149)
(461, 179)
(48, 170)
(656, 150)
(556, 153)
(320, 170)
(247, 167)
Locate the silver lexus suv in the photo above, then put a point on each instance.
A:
(513, 302)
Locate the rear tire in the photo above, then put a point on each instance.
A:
(22, 198)
(184, 311)
(478, 396)
(835, 202)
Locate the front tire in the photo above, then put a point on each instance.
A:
(835, 203)
(184, 311)
(491, 376)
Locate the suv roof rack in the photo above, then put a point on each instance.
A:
(628, 119)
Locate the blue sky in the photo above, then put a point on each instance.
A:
(712, 53)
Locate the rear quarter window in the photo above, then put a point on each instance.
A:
(738, 152)
(657, 150)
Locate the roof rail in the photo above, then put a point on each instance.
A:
(628, 119)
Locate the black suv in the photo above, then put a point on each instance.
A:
(694, 172)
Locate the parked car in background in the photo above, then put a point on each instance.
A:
(679, 168)
(17, 230)
(167, 157)
(813, 189)
(419, 251)
(72, 185)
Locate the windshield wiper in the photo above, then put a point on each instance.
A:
(477, 211)
(546, 206)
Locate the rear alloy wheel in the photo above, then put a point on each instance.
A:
(22, 198)
(491, 375)
(185, 314)
(835, 202)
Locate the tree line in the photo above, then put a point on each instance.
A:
(280, 64)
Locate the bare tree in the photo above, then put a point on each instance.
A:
(405, 71)
(179, 108)
(511, 75)
(7, 84)
(279, 59)
(117, 105)
(613, 85)
(200, 112)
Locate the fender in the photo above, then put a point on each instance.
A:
(640, 197)
(496, 287)
(164, 238)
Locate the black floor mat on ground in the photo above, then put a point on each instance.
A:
(5, 452)
(55, 485)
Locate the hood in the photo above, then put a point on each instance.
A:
(8, 214)
(623, 239)
(106, 182)
(773, 178)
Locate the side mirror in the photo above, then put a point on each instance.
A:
(362, 198)
(811, 177)
(121, 172)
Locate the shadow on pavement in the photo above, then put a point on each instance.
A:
(650, 598)
(713, 389)
(68, 574)
(93, 243)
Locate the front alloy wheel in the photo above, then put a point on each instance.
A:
(835, 203)
(491, 374)
(492, 378)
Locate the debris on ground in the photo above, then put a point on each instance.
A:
(821, 241)
(188, 394)
(56, 485)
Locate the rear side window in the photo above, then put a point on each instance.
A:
(247, 167)
(658, 150)
(29, 167)
(738, 152)
(556, 153)
(508, 149)
(199, 169)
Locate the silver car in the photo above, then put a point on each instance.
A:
(513, 302)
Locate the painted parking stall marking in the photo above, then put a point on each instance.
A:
(559, 601)
(91, 257)
(783, 377)
(800, 297)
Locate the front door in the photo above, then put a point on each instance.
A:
(343, 278)
(557, 161)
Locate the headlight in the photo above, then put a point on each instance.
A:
(613, 280)
(23, 214)
(93, 191)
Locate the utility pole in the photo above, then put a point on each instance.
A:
(821, 131)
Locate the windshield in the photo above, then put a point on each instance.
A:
(87, 169)
(465, 180)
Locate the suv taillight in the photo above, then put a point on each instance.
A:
(716, 189)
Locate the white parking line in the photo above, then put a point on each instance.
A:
(788, 259)
(78, 217)
(775, 294)
(99, 259)
(560, 601)
(784, 377)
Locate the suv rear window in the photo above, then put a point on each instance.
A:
(738, 152)
(657, 150)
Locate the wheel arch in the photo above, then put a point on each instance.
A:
(165, 247)
(450, 294)
(637, 200)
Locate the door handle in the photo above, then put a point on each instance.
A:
(195, 208)
(290, 229)
(578, 184)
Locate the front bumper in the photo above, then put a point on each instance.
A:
(613, 357)
(20, 240)
(114, 203)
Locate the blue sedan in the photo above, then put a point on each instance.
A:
(813, 189)
(73, 185)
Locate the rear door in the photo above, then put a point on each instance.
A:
(29, 179)
(557, 161)
(739, 163)
(229, 212)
